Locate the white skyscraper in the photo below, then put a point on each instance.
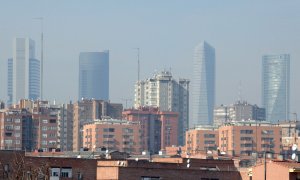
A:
(203, 85)
(23, 72)
(167, 94)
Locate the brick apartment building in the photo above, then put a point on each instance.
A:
(16, 130)
(246, 137)
(120, 135)
(202, 139)
(87, 110)
(159, 128)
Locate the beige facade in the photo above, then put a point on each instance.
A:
(245, 138)
(120, 135)
(201, 140)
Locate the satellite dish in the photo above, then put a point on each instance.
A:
(188, 161)
(293, 156)
(223, 152)
(294, 147)
(106, 151)
(209, 152)
(188, 165)
(136, 159)
(78, 156)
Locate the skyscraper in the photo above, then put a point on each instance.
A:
(203, 85)
(276, 86)
(94, 75)
(23, 78)
(164, 92)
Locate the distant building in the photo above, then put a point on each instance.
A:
(159, 128)
(203, 85)
(202, 139)
(94, 75)
(167, 94)
(239, 111)
(86, 111)
(23, 78)
(290, 134)
(65, 127)
(276, 86)
(2, 105)
(119, 135)
(247, 137)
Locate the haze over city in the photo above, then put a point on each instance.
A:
(166, 33)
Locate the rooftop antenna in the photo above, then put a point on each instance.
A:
(138, 63)
(41, 19)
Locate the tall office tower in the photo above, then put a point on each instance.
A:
(23, 72)
(203, 85)
(167, 94)
(94, 75)
(276, 86)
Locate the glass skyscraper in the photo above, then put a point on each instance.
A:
(94, 75)
(23, 72)
(276, 86)
(203, 85)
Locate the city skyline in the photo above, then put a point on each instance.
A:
(239, 48)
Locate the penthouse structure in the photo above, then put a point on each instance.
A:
(120, 135)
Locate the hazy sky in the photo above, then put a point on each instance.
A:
(166, 33)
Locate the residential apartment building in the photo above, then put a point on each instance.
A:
(239, 111)
(246, 137)
(276, 87)
(16, 130)
(202, 139)
(65, 127)
(88, 110)
(159, 128)
(120, 135)
(164, 92)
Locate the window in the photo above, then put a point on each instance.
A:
(52, 120)
(209, 142)
(127, 130)
(269, 132)
(17, 127)
(17, 135)
(44, 142)
(108, 136)
(246, 138)
(45, 121)
(8, 120)
(44, 128)
(18, 141)
(109, 129)
(17, 120)
(246, 131)
(209, 135)
(150, 178)
(44, 135)
(246, 145)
